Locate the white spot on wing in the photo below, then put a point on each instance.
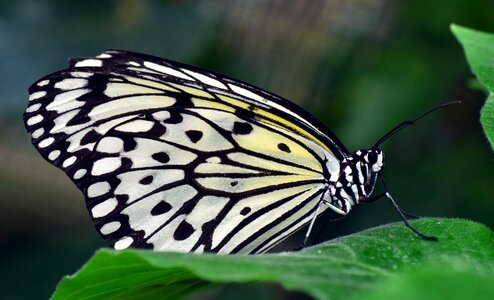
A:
(81, 74)
(89, 63)
(214, 160)
(106, 165)
(46, 142)
(54, 155)
(36, 95)
(34, 120)
(133, 63)
(166, 70)
(161, 115)
(43, 82)
(98, 189)
(110, 145)
(110, 227)
(123, 243)
(71, 83)
(104, 208)
(38, 132)
(69, 161)
(104, 55)
(79, 173)
(33, 107)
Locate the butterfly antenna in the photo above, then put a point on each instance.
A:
(410, 122)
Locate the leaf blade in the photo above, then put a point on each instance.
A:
(479, 51)
(342, 268)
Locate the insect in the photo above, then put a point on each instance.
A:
(176, 158)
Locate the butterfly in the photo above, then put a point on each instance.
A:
(176, 158)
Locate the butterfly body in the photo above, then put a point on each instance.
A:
(175, 158)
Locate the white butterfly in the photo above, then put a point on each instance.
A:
(175, 158)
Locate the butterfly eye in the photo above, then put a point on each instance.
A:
(372, 158)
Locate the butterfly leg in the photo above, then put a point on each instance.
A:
(375, 198)
(311, 225)
(321, 229)
(409, 215)
(402, 214)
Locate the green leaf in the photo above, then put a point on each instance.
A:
(346, 267)
(479, 50)
(436, 282)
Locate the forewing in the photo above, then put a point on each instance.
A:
(70, 110)
(232, 146)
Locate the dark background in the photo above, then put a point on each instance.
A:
(361, 66)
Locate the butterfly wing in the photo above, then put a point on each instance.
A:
(176, 158)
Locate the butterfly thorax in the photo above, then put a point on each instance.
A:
(356, 180)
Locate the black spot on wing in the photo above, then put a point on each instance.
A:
(129, 143)
(245, 211)
(122, 198)
(284, 147)
(246, 114)
(146, 180)
(183, 231)
(161, 208)
(161, 157)
(242, 128)
(126, 163)
(194, 135)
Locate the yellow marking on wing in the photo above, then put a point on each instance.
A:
(151, 83)
(212, 104)
(269, 146)
(192, 91)
(234, 102)
(269, 118)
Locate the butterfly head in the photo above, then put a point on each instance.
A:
(358, 173)
(367, 164)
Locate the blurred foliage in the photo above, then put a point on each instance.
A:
(479, 49)
(361, 66)
(352, 267)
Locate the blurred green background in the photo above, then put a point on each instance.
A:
(361, 66)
